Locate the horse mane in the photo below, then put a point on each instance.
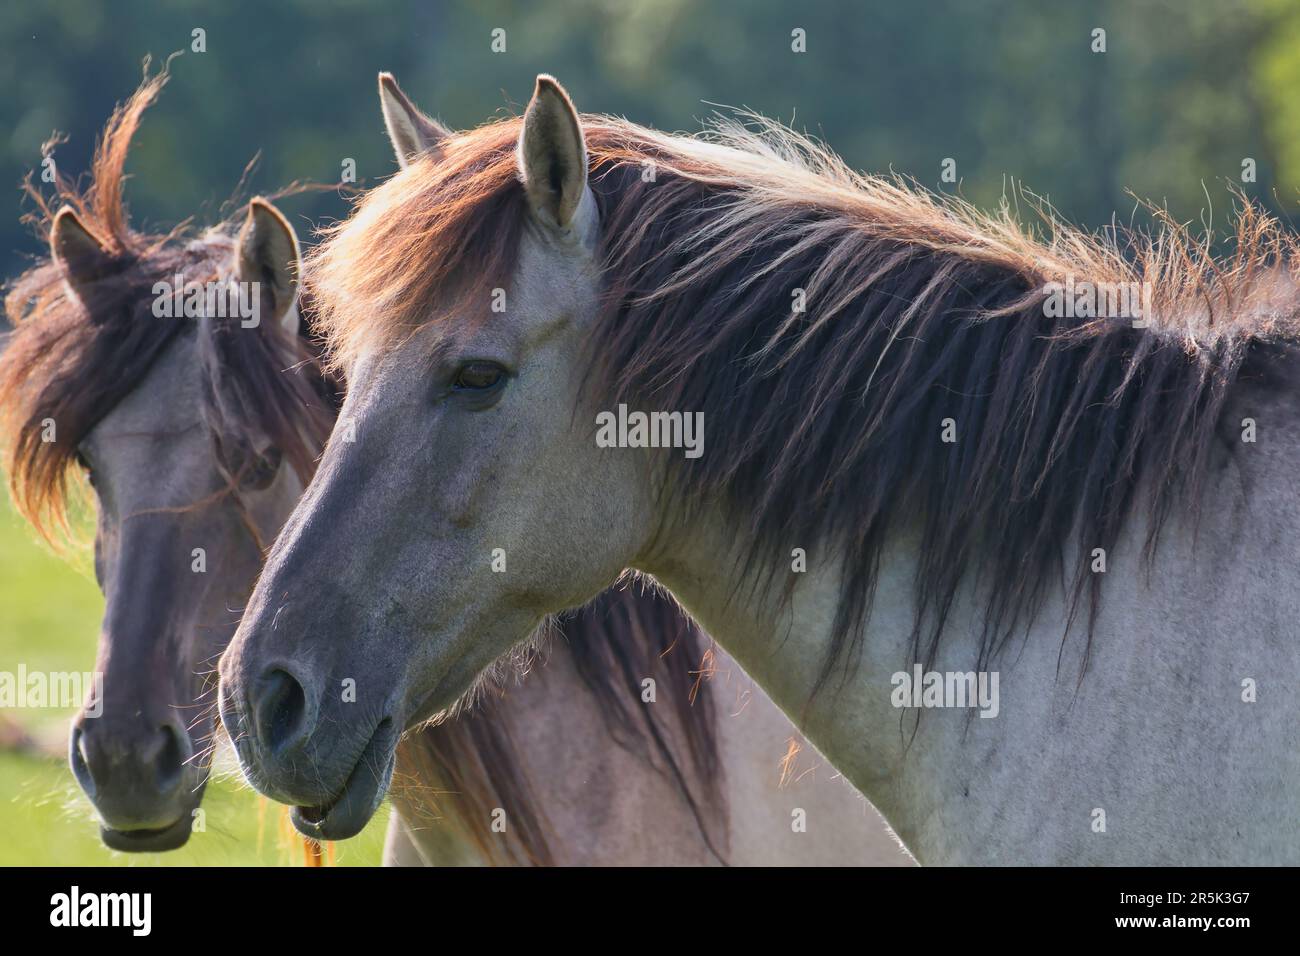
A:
(469, 763)
(72, 357)
(824, 423)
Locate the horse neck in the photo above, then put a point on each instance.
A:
(783, 645)
(1162, 687)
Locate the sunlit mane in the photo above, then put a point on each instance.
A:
(70, 359)
(824, 421)
(449, 222)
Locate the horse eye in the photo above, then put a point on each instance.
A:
(258, 475)
(478, 376)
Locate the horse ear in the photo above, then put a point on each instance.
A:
(552, 157)
(80, 255)
(268, 254)
(411, 131)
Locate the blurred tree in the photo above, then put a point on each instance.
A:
(1275, 72)
(1010, 90)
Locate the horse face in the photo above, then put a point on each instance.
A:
(461, 499)
(176, 554)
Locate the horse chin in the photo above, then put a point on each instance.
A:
(347, 814)
(156, 840)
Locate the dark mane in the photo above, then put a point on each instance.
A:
(71, 358)
(469, 764)
(824, 425)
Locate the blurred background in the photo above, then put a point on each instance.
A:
(1189, 99)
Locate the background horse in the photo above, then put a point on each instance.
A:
(889, 392)
(184, 458)
(195, 436)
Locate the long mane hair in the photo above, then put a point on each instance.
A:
(73, 356)
(460, 770)
(917, 310)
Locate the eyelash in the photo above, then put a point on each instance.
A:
(459, 385)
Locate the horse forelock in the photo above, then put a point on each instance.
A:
(71, 357)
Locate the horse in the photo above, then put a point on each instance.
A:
(203, 433)
(918, 475)
(186, 462)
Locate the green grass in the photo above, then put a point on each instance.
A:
(50, 610)
(47, 822)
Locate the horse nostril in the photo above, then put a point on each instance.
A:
(116, 763)
(80, 763)
(279, 711)
(169, 763)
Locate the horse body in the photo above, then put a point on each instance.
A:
(1095, 458)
